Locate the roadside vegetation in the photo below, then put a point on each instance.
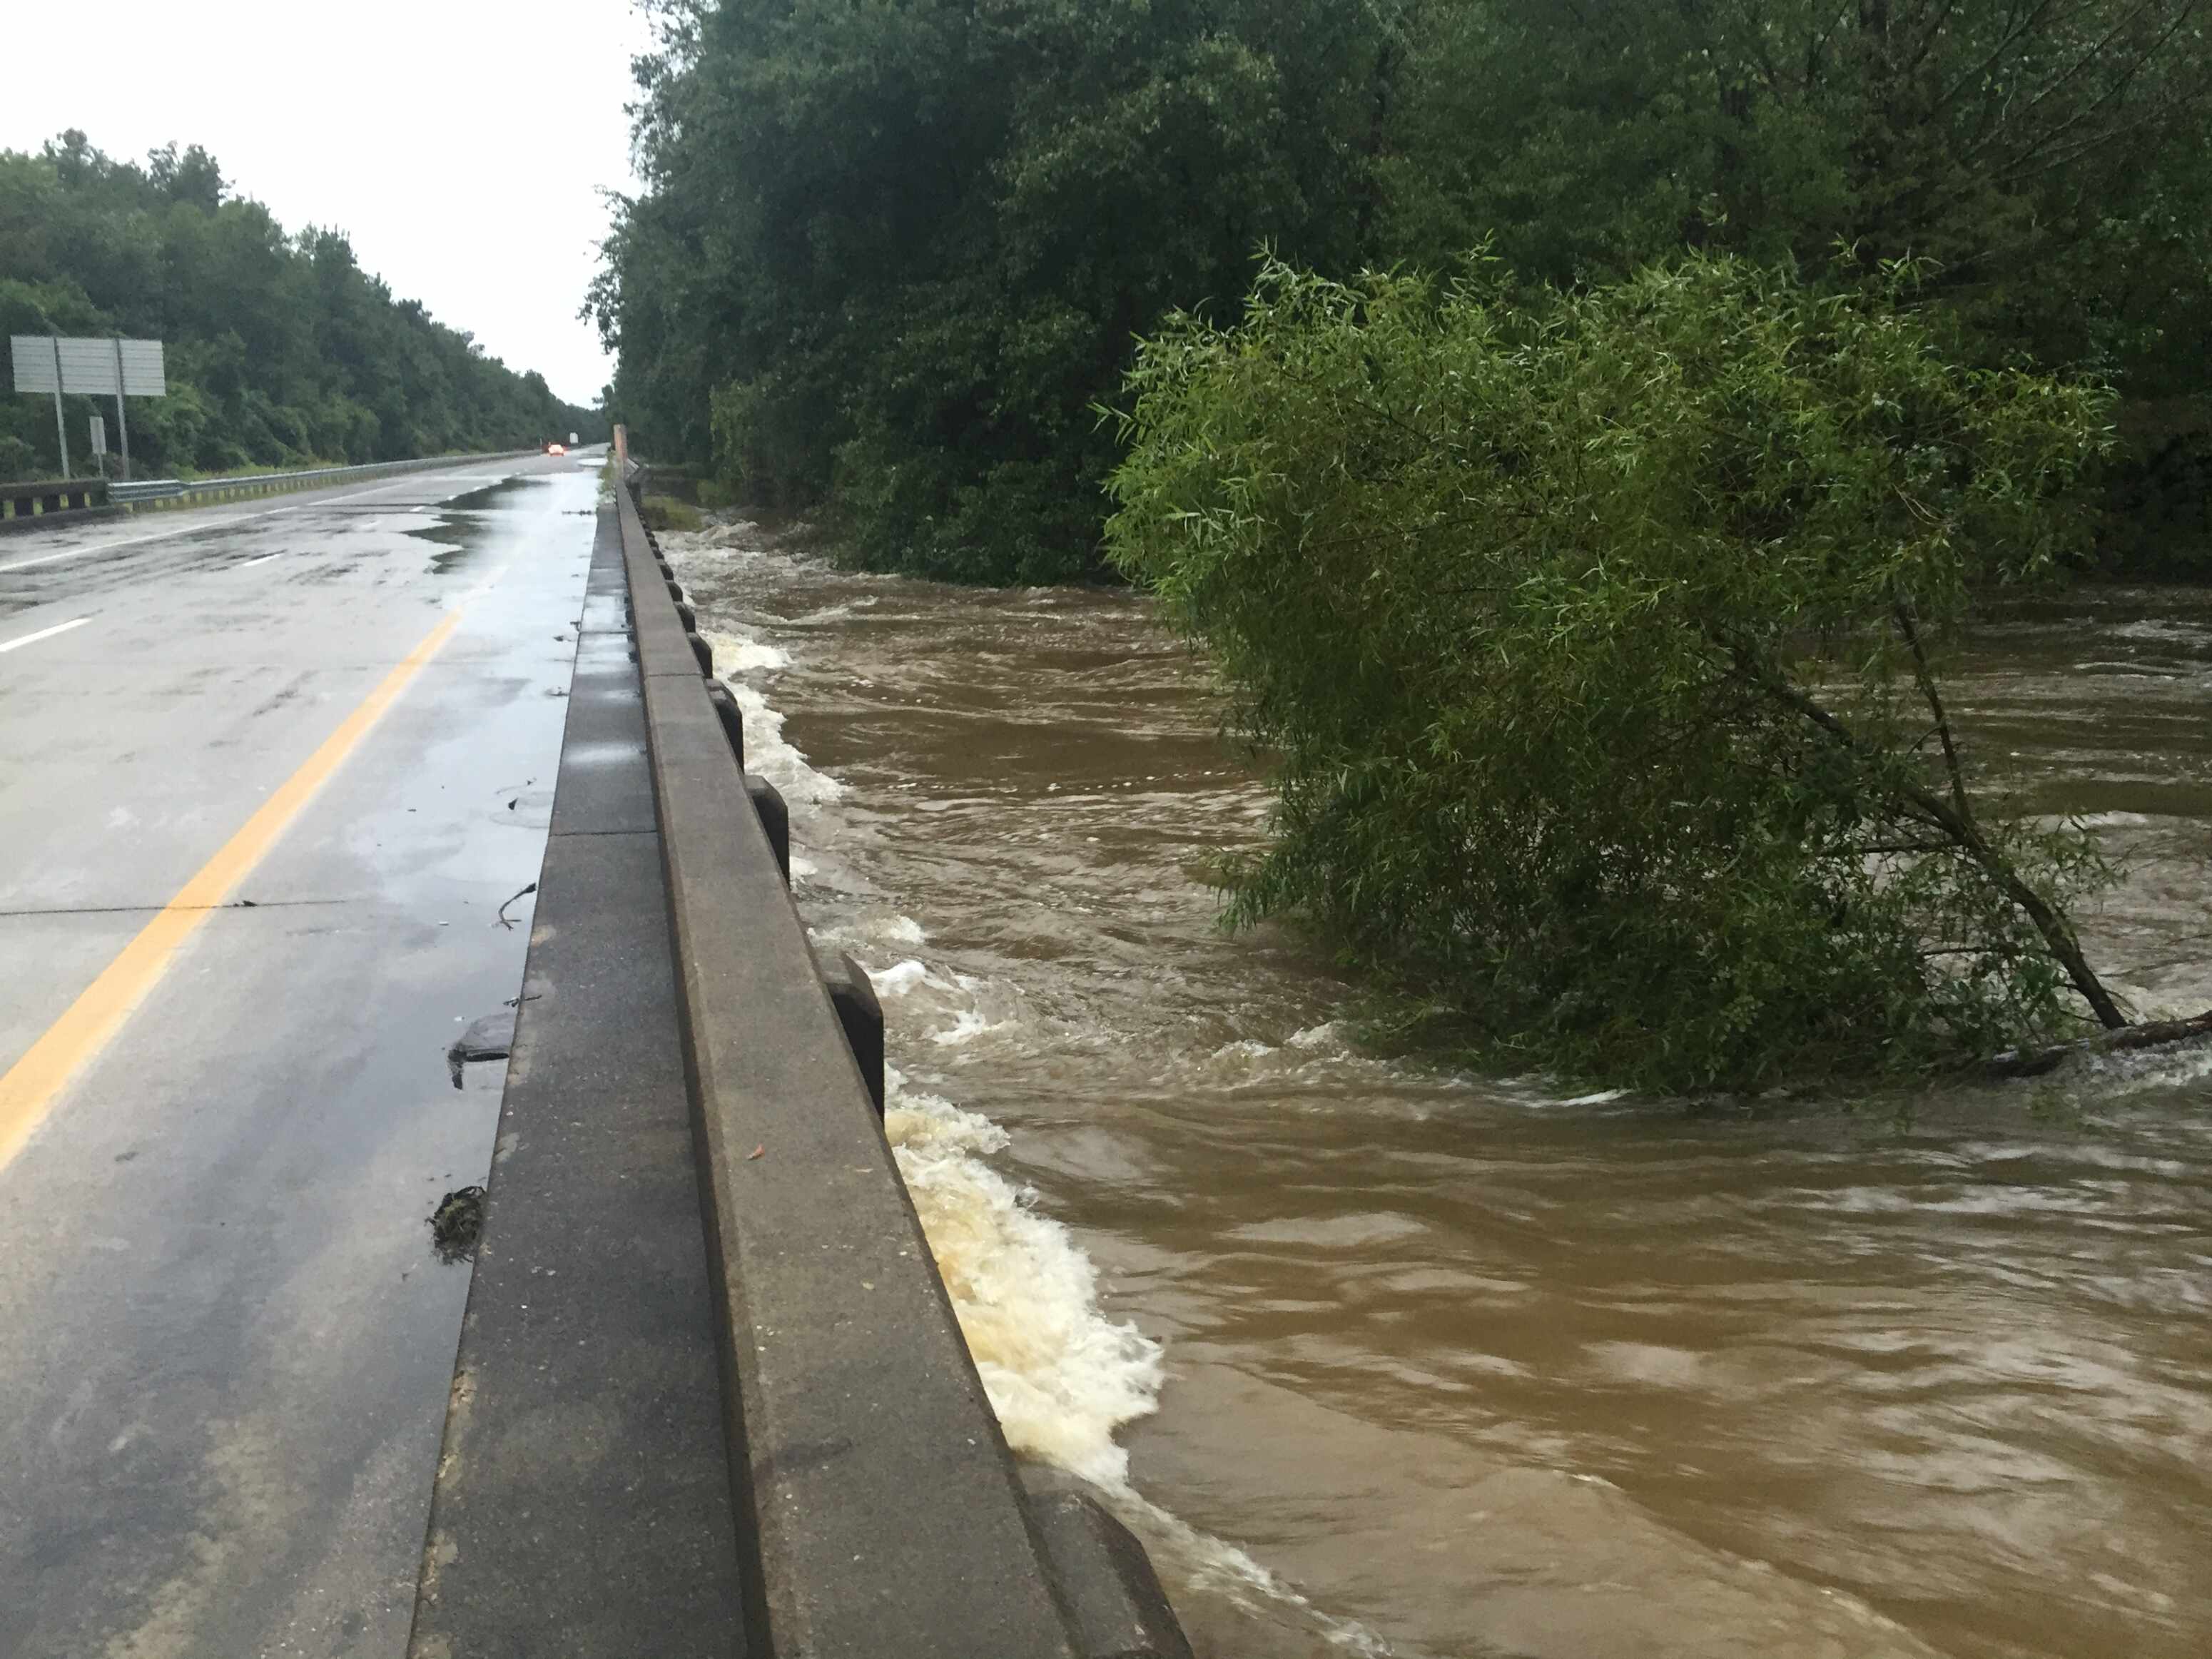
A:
(282, 352)
(1596, 639)
(887, 257)
(666, 512)
(1631, 402)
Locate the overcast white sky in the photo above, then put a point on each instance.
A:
(461, 143)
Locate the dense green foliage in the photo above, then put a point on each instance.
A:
(889, 251)
(666, 512)
(280, 348)
(892, 252)
(1593, 632)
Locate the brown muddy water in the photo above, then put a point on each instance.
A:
(1381, 1361)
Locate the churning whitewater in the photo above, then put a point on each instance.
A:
(1060, 1375)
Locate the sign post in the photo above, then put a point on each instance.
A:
(61, 430)
(103, 367)
(100, 444)
(122, 420)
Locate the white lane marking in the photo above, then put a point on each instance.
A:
(195, 529)
(264, 559)
(43, 633)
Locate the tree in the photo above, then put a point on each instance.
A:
(888, 255)
(281, 349)
(192, 177)
(2049, 159)
(1595, 638)
(1986, 139)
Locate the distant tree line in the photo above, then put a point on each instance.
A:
(281, 349)
(889, 256)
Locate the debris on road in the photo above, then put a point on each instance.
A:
(505, 920)
(491, 1038)
(455, 1225)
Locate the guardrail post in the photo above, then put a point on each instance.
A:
(1104, 1577)
(853, 996)
(733, 720)
(775, 818)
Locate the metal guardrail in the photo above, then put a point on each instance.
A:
(879, 1509)
(165, 490)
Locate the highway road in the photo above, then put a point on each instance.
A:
(267, 774)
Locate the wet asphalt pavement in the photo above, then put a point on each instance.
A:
(225, 1338)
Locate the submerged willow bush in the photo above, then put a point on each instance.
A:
(1595, 640)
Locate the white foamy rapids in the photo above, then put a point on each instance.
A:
(739, 536)
(2181, 1067)
(976, 1007)
(875, 927)
(768, 756)
(2168, 632)
(1310, 1053)
(901, 977)
(967, 1026)
(1222, 1567)
(741, 653)
(2184, 1001)
(1060, 1375)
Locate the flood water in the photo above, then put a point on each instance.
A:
(1384, 1361)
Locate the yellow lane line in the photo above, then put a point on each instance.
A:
(31, 1085)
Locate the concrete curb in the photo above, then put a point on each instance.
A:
(886, 1514)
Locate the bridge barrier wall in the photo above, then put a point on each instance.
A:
(880, 1512)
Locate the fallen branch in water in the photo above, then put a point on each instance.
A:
(2153, 1034)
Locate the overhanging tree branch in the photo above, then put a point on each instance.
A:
(1960, 827)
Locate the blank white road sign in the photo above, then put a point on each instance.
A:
(88, 365)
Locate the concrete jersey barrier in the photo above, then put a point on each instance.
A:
(885, 1514)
